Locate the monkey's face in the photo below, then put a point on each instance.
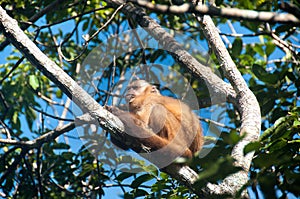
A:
(130, 95)
(138, 88)
(134, 90)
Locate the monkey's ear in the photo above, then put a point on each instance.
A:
(154, 90)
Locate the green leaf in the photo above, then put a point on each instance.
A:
(123, 176)
(258, 71)
(33, 81)
(217, 169)
(268, 105)
(59, 94)
(210, 171)
(141, 179)
(30, 117)
(237, 47)
(277, 113)
(61, 146)
(270, 48)
(246, 60)
(277, 145)
(296, 123)
(140, 192)
(86, 170)
(219, 2)
(259, 50)
(268, 132)
(263, 75)
(68, 155)
(232, 138)
(253, 146)
(283, 28)
(15, 117)
(85, 24)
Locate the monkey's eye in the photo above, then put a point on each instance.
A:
(133, 87)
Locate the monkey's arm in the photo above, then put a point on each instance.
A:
(165, 124)
(190, 128)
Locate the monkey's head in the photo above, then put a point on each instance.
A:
(139, 87)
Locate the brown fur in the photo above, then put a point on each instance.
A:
(170, 119)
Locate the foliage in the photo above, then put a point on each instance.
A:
(276, 165)
(31, 105)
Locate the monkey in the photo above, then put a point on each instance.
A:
(159, 122)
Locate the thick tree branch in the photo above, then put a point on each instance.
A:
(291, 8)
(233, 13)
(247, 105)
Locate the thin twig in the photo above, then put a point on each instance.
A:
(87, 40)
(52, 116)
(217, 123)
(12, 70)
(51, 135)
(244, 35)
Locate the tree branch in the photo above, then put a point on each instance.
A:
(291, 8)
(233, 13)
(51, 135)
(247, 105)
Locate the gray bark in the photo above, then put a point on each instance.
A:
(248, 108)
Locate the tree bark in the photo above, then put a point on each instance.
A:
(229, 13)
(248, 108)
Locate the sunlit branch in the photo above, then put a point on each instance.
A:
(50, 136)
(233, 13)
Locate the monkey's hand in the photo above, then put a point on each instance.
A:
(127, 118)
(132, 129)
(134, 126)
(115, 110)
(129, 121)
